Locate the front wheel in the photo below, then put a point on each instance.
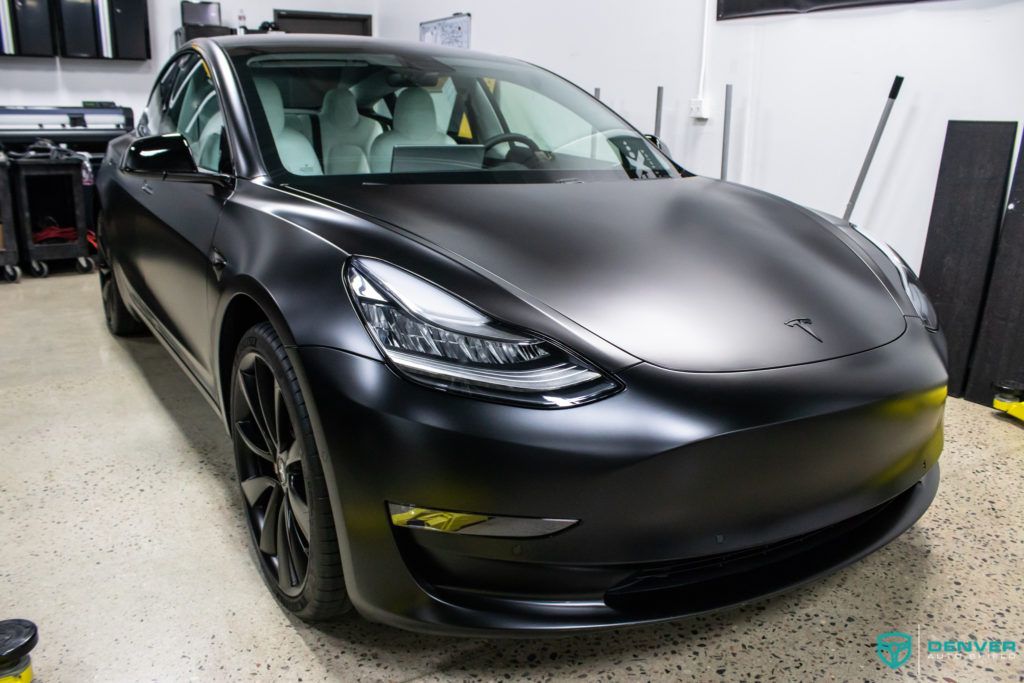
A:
(283, 489)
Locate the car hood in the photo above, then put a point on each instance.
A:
(687, 274)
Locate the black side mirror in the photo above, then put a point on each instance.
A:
(160, 154)
(657, 142)
(170, 157)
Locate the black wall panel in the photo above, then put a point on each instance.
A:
(299, 21)
(33, 28)
(966, 214)
(129, 24)
(78, 37)
(999, 351)
(731, 9)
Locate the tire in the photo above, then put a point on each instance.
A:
(11, 273)
(281, 481)
(38, 268)
(120, 321)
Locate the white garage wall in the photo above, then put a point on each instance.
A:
(27, 80)
(808, 88)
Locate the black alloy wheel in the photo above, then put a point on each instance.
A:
(281, 480)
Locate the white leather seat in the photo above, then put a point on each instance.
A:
(296, 152)
(415, 124)
(346, 134)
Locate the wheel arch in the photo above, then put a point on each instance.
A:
(246, 305)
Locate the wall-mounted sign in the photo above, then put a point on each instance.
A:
(450, 31)
(731, 9)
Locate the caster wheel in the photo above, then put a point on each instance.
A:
(38, 268)
(85, 264)
(11, 273)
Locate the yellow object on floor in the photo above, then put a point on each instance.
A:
(24, 677)
(1009, 398)
(1013, 408)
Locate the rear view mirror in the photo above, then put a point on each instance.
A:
(657, 142)
(160, 154)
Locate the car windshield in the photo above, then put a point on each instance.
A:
(389, 118)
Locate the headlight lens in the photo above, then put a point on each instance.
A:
(435, 338)
(911, 284)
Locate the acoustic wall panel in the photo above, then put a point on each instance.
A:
(999, 351)
(965, 218)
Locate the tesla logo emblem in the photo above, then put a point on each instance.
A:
(803, 324)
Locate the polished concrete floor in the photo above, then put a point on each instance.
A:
(122, 539)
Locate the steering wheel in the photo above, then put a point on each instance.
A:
(510, 138)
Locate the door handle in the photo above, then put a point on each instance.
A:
(218, 262)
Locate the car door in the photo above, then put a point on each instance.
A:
(173, 232)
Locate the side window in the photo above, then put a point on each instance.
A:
(154, 118)
(195, 112)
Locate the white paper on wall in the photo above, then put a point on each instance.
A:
(450, 31)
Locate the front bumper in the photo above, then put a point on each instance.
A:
(694, 491)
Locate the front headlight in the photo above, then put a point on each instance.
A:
(911, 284)
(436, 339)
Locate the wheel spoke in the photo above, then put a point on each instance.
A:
(271, 520)
(244, 429)
(294, 453)
(284, 564)
(266, 387)
(247, 381)
(282, 423)
(296, 551)
(254, 489)
(299, 512)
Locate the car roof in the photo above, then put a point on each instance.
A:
(277, 41)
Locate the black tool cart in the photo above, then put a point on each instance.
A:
(54, 153)
(51, 213)
(9, 269)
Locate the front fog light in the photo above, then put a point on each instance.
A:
(437, 339)
(474, 524)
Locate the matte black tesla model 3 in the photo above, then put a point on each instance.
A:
(491, 361)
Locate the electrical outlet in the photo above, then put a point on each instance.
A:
(699, 108)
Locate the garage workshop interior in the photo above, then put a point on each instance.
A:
(402, 340)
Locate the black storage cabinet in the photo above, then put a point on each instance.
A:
(8, 236)
(51, 188)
